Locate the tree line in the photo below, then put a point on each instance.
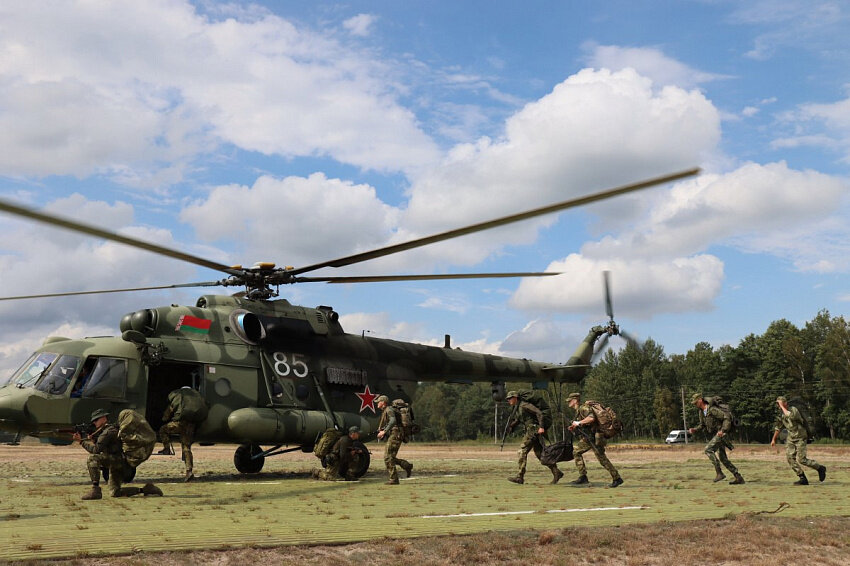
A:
(646, 387)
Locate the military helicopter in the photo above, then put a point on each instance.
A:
(274, 374)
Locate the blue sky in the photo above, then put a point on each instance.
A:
(297, 132)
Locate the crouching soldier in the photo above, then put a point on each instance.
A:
(106, 453)
(533, 419)
(341, 458)
(795, 445)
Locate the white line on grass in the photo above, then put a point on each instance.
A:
(495, 514)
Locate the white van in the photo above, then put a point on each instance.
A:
(676, 436)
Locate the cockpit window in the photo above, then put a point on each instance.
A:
(32, 369)
(59, 376)
(108, 379)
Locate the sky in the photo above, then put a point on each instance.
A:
(299, 132)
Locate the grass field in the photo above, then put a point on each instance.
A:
(455, 490)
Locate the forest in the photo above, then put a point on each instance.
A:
(648, 389)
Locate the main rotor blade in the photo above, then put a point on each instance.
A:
(382, 278)
(74, 226)
(395, 248)
(73, 293)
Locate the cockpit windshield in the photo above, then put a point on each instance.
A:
(32, 369)
(59, 375)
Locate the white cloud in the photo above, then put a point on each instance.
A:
(819, 125)
(157, 84)
(649, 62)
(360, 25)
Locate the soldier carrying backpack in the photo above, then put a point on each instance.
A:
(186, 409)
(716, 419)
(531, 411)
(602, 423)
(794, 421)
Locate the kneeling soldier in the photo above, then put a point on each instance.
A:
(340, 458)
(105, 449)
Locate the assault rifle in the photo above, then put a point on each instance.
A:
(507, 426)
(589, 439)
(84, 430)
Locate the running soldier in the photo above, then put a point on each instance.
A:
(585, 417)
(390, 427)
(186, 409)
(716, 422)
(534, 422)
(106, 453)
(795, 445)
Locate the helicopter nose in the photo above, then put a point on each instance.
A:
(13, 414)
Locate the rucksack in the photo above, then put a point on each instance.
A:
(720, 403)
(537, 399)
(406, 421)
(192, 406)
(326, 442)
(137, 437)
(607, 421)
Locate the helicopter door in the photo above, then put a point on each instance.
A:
(165, 378)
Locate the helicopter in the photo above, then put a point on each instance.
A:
(274, 374)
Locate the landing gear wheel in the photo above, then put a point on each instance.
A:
(244, 461)
(361, 464)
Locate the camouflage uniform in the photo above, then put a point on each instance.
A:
(583, 445)
(391, 425)
(795, 444)
(105, 449)
(339, 461)
(714, 419)
(531, 419)
(175, 424)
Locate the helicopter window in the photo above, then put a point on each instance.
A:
(29, 373)
(59, 375)
(108, 379)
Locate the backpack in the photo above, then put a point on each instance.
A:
(537, 399)
(405, 418)
(720, 403)
(607, 421)
(137, 437)
(192, 407)
(808, 423)
(326, 442)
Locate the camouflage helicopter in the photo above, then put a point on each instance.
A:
(274, 374)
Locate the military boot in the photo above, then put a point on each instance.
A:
(151, 489)
(409, 470)
(616, 482)
(189, 476)
(822, 473)
(580, 480)
(517, 479)
(166, 451)
(95, 493)
(802, 481)
(557, 475)
(392, 482)
(739, 479)
(719, 477)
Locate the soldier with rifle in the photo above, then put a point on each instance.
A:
(718, 423)
(105, 448)
(533, 420)
(585, 417)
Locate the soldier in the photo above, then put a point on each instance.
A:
(186, 409)
(716, 422)
(105, 449)
(586, 417)
(390, 426)
(533, 420)
(340, 458)
(795, 445)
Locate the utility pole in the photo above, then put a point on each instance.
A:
(684, 416)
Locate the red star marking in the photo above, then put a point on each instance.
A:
(367, 399)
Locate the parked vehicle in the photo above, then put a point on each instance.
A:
(677, 436)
